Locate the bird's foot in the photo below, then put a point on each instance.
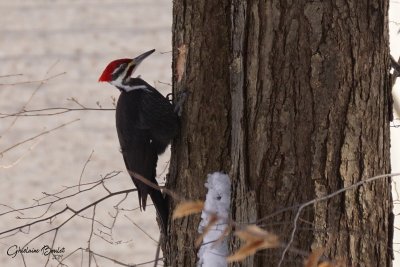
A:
(180, 100)
(169, 97)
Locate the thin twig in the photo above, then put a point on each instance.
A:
(164, 169)
(117, 210)
(141, 229)
(55, 111)
(311, 202)
(43, 81)
(18, 160)
(11, 208)
(11, 75)
(157, 252)
(52, 246)
(102, 256)
(67, 208)
(38, 204)
(36, 136)
(36, 217)
(83, 169)
(73, 99)
(91, 234)
(164, 83)
(30, 98)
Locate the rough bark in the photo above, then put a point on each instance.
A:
(289, 98)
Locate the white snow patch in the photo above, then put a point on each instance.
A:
(218, 200)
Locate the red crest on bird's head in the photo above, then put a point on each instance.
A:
(131, 65)
(106, 76)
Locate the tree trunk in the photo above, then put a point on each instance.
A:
(290, 99)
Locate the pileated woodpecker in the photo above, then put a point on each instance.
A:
(146, 124)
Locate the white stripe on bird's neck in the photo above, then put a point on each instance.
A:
(127, 88)
(120, 83)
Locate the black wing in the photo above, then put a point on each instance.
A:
(158, 116)
(139, 150)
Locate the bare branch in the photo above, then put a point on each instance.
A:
(117, 210)
(157, 252)
(30, 98)
(83, 169)
(18, 160)
(38, 204)
(102, 256)
(37, 217)
(67, 208)
(52, 247)
(11, 75)
(42, 81)
(141, 229)
(35, 222)
(323, 198)
(169, 84)
(73, 99)
(52, 66)
(91, 235)
(11, 208)
(38, 135)
(49, 112)
(164, 169)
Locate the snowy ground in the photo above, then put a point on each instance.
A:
(44, 38)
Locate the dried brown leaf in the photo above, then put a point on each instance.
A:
(181, 62)
(213, 220)
(253, 233)
(327, 264)
(187, 208)
(248, 249)
(255, 239)
(312, 260)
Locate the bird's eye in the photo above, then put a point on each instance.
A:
(119, 68)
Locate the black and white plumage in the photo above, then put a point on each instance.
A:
(146, 124)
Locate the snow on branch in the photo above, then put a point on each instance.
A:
(214, 221)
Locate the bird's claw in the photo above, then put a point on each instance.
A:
(169, 97)
(180, 100)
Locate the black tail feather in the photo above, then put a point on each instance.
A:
(161, 204)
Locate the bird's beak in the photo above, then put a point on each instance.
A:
(136, 61)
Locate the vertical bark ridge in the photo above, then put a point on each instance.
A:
(290, 98)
